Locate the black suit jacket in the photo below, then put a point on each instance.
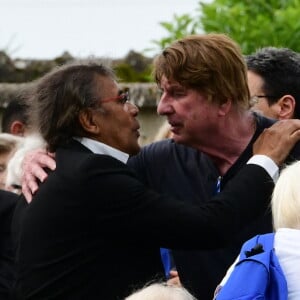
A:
(8, 202)
(93, 231)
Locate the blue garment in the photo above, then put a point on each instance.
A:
(257, 274)
(167, 260)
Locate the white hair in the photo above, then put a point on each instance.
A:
(160, 291)
(286, 198)
(14, 166)
(9, 142)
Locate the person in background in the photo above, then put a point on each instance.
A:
(14, 117)
(206, 100)
(161, 291)
(285, 210)
(14, 165)
(92, 221)
(273, 78)
(8, 199)
(14, 126)
(9, 144)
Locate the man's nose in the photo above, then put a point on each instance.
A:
(164, 106)
(131, 108)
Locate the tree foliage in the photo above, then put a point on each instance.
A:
(251, 23)
(179, 27)
(133, 68)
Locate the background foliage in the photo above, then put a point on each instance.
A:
(251, 23)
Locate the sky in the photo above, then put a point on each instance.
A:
(44, 29)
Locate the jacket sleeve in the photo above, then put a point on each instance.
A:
(166, 222)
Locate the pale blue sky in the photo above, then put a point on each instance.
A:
(46, 28)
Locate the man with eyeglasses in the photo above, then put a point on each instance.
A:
(205, 98)
(273, 78)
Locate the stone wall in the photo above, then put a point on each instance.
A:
(144, 95)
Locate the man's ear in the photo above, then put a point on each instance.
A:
(17, 128)
(88, 121)
(225, 107)
(286, 105)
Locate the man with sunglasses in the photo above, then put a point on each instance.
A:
(273, 78)
(205, 98)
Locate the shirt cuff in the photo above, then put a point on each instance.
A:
(267, 163)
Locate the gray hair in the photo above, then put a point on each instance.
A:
(161, 291)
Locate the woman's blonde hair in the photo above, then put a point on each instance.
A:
(286, 198)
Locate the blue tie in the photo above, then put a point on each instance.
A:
(218, 185)
(166, 258)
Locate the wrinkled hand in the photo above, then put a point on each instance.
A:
(33, 164)
(278, 140)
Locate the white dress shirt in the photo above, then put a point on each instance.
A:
(100, 148)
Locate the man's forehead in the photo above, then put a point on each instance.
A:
(170, 83)
(107, 84)
(255, 81)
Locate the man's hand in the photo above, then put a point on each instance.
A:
(278, 140)
(33, 164)
(174, 279)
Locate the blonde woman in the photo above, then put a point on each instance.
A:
(286, 220)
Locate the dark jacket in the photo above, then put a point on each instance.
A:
(93, 231)
(8, 202)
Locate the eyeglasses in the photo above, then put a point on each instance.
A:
(123, 98)
(255, 99)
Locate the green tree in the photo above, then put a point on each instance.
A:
(133, 68)
(251, 23)
(254, 23)
(177, 28)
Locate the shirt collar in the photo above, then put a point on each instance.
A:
(100, 148)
